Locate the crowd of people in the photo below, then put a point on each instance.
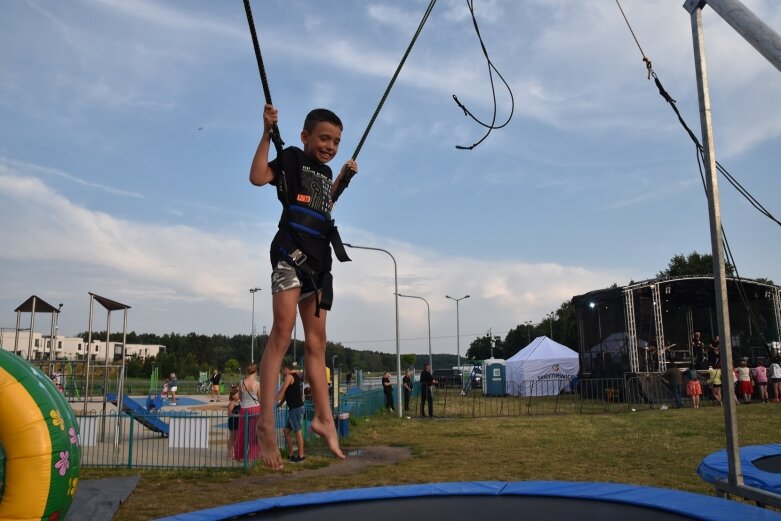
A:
(757, 382)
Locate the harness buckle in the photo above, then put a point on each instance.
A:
(298, 257)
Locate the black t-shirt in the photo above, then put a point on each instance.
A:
(407, 381)
(308, 186)
(293, 395)
(308, 181)
(426, 379)
(387, 388)
(216, 379)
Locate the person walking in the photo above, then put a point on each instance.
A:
(292, 394)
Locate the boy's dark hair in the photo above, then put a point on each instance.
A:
(318, 115)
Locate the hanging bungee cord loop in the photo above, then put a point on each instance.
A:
(491, 69)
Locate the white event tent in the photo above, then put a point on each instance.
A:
(543, 368)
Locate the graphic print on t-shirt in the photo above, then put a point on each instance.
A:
(317, 187)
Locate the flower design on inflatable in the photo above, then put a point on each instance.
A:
(73, 436)
(57, 419)
(72, 487)
(64, 463)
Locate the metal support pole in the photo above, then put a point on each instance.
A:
(396, 296)
(458, 328)
(88, 354)
(32, 328)
(748, 25)
(252, 341)
(428, 314)
(735, 476)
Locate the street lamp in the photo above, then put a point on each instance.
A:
(550, 318)
(396, 295)
(528, 323)
(428, 313)
(252, 343)
(458, 329)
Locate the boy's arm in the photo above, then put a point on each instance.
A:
(260, 173)
(352, 165)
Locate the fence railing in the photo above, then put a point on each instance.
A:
(202, 439)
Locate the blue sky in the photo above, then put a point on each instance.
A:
(127, 130)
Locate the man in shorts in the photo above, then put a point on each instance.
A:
(292, 394)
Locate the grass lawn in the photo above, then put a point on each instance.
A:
(648, 447)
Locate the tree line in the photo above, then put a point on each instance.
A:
(187, 355)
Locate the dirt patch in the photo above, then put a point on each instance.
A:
(355, 462)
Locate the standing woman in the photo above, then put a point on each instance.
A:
(387, 388)
(775, 379)
(249, 400)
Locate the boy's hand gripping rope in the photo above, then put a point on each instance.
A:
(276, 138)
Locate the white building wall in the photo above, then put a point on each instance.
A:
(69, 348)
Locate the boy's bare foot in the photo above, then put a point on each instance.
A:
(327, 431)
(269, 451)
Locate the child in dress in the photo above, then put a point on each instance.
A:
(234, 408)
(693, 387)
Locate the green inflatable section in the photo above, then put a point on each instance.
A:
(62, 427)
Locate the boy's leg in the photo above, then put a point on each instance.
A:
(314, 361)
(300, 442)
(284, 310)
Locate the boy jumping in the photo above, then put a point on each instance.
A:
(301, 264)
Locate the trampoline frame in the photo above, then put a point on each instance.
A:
(695, 506)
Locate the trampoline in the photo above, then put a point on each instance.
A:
(549, 500)
(760, 464)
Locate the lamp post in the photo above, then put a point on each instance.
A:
(528, 332)
(550, 318)
(458, 329)
(396, 296)
(428, 313)
(252, 348)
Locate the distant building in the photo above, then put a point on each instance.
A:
(68, 348)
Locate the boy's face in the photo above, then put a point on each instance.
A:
(323, 142)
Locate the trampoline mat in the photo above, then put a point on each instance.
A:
(769, 463)
(471, 508)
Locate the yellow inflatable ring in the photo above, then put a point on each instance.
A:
(40, 438)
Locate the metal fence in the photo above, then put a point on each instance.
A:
(587, 396)
(187, 439)
(200, 439)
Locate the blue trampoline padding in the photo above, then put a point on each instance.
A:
(714, 467)
(695, 506)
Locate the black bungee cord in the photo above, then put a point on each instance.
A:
(491, 70)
